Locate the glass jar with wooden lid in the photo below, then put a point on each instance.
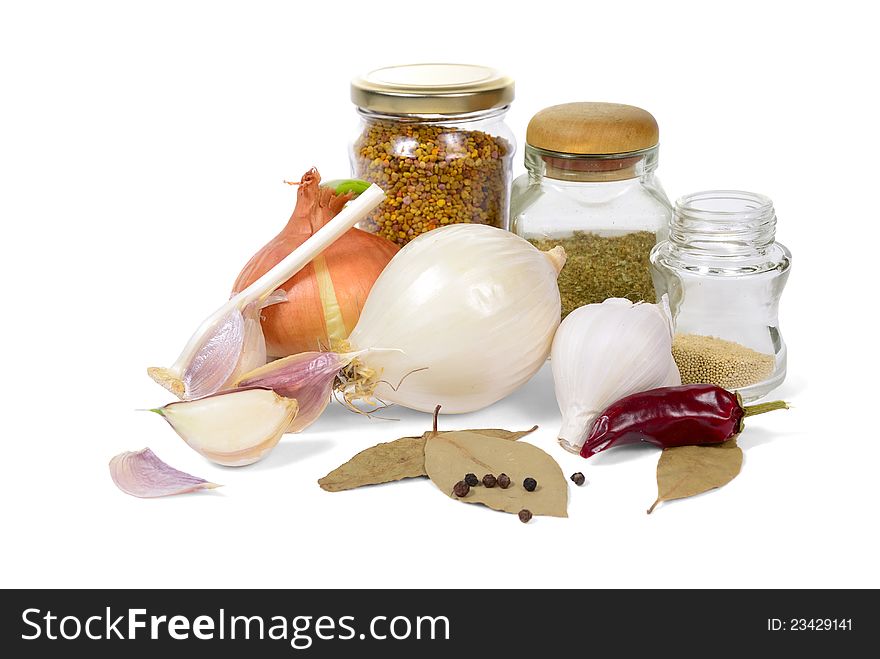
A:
(590, 186)
(433, 137)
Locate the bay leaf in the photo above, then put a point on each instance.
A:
(451, 455)
(684, 471)
(394, 461)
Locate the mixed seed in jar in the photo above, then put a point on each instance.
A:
(433, 137)
(433, 176)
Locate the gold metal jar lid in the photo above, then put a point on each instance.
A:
(593, 129)
(432, 89)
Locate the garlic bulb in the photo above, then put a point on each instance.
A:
(603, 352)
(461, 317)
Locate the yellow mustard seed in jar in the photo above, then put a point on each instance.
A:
(710, 360)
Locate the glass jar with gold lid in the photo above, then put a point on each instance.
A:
(590, 187)
(433, 137)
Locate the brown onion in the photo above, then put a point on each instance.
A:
(325, 298)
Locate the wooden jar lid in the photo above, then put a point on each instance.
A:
(593, 129)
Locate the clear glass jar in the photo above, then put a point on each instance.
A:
(724, 273)
(590, 186)
(433, 137)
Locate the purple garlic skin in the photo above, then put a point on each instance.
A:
(307, 377)
(142, 474)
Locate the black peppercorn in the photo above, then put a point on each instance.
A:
(489, 480)
(471, 480)
(525, 515)
(504, 481)
(578, 478)
(530, 484)
(461, 489)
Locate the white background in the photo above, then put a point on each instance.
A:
(142, 149)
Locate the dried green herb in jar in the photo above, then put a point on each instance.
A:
(599, 267)
(433, 176)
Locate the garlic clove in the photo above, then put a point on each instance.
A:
(234, 428)
(308, 377)
(216, 358)
(253, 351)
(212, 364)
(142, 474)
(233, 347)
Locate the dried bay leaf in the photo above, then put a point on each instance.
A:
(451, 455)
(685, 471)
(394, 461)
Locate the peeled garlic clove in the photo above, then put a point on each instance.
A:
(308, 377)
(235, 428)
(142, 474)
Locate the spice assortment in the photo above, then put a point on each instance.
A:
(402, 458)
(432, 137)
(445, 457)
(543, 488)
(661, 326)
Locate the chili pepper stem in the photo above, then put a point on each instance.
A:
(760, 408)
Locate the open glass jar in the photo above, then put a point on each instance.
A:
(591, 188)
(433, 137)
(724, 273)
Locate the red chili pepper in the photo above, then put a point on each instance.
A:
(673, 416)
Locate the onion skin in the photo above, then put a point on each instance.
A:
(310, 319)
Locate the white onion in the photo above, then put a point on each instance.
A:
(475, 307)
(603, 352)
